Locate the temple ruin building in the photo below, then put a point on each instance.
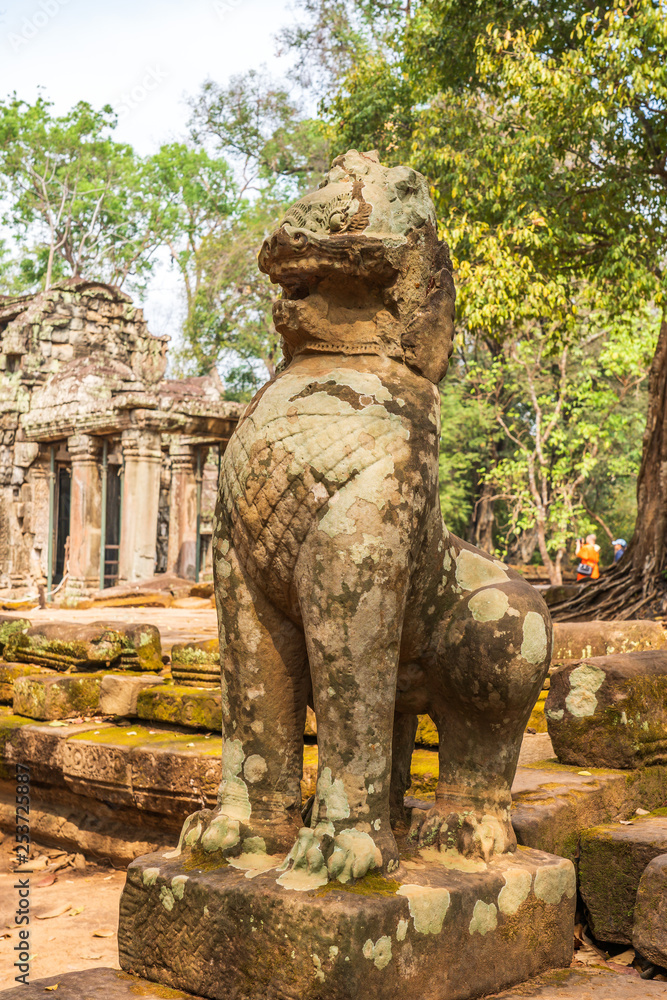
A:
(107, 468)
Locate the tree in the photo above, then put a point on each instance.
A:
(545, 136)
(199, 202)
(78, 202)
(231, 316)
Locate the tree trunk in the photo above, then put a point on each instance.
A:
(483, 520)
(637, 580)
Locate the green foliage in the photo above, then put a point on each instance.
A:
(78, 203)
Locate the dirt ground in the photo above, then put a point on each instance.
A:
(175, 624)
(84, 936)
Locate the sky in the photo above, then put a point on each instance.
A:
(141, 56)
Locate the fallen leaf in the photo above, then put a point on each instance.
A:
(76, 911)
(104, 932)
(49, 880)
(56, 722)
(642, 812)
(626, 822)
(54, 913)
(54, 987)
(132, 732)
(586, 773)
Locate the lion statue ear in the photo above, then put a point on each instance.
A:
(429, 337)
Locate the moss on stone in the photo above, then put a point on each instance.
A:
(202, 861)
(183, 706)
(372, 884)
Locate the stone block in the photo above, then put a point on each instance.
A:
(197, 708)
(10, 626)
(441, 927)
(552, 804)
(196, 664)
(95, 984)
(578, 640)
(585, 984)
(57, 697)
(649, 932)
(9, 672)
(119, 693)
(612, 860)
(64, 646)
(610, 711)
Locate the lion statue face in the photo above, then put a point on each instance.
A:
(362, 270)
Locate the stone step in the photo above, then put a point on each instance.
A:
(48, 696)
(116, 787)
(95, 984)
(10, 672)
(584, 984)
(610, 711)
(199, 708)
(649, 933)
(612, 861)
(576, 640)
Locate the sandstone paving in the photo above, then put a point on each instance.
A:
(588, 984)
(649, 933)
(612, 861)
(95, 984)
(575, 640)
(57, 697)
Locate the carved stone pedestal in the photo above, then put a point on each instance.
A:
(435, 931)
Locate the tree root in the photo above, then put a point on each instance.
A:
(619, 595)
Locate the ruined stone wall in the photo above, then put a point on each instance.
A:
(41, 336)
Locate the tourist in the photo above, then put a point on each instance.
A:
(620, 545)
(588, 554)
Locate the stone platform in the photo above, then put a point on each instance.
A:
(444, 928)
(94, 984)
(560, 984)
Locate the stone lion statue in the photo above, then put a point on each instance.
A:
(337, 582)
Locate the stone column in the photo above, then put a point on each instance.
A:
(142, 460)
(182, 511)
(85, 513)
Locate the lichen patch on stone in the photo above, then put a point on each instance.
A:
(428, 907)
(552, 883)
(515, 891)
(380, 952)
(484, 918)
(150, 876)
(489, 605)
(585, 681)
(534, 645)
(473, 571)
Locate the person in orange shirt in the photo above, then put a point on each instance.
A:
(588, 554)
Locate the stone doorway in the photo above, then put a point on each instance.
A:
(113, 515)
(62, 521)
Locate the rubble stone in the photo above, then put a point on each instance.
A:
(649, 933)
(57, 696)
(119, 693)
(197, 708)
(610, 711)
(196, 664)
(9, 672)
(611, 864)
(64, 646)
